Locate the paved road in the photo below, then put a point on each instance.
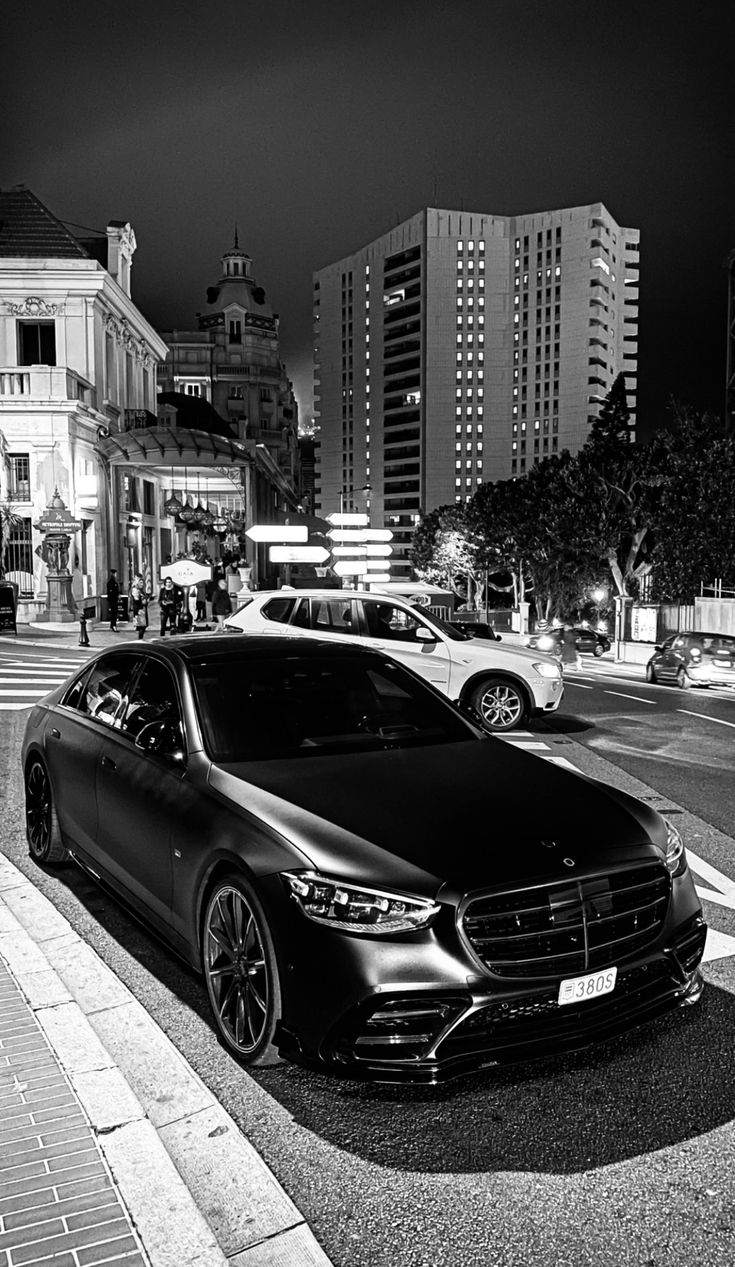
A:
(29, 673)
(616, 1157)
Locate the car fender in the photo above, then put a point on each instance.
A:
(505, 675)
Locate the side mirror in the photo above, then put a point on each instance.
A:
(162, 739)
(425, 635)
(658, 647)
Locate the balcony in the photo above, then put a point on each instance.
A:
(27, 383)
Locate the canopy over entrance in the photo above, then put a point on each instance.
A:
(172, 446)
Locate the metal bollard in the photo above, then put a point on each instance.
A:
(83, 635)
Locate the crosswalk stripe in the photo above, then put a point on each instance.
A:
(34, 694)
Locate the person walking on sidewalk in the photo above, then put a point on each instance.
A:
(139, 605)
(168, 604)
(221, 605)
(113, 597)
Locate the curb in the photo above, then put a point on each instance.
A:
(198, 1193)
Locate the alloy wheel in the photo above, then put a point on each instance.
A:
(500, 705)
(239, 970)
(45, 843)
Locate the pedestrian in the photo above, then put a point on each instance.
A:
(168, 603)
(221, 605)
(201, 600)
(113, 598)
(569, 653)
(139, 605)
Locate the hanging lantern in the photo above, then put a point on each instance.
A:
(199, 513)
(207, 520)
(173, 506)
(220, 524)
(187, 514)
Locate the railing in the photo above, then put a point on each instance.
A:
(45, 382)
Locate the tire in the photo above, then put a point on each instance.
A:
(43, 834)
(241, 972)
(682, 679)
(651, 674)
(501, 704)
(598, 649)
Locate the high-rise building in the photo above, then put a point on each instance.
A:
(461, 347)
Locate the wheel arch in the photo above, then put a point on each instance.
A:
(497, 675)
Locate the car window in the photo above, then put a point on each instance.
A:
(103, 693)
(154, 698)
(76, 692)
(300, 617)
(279, 609)
(679, 642)
(261, 709)
(332, 615)
(390, 622)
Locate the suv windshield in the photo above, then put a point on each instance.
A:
(455, 632)
(266, 709)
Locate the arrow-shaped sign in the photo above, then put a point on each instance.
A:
(346, 534)
(348, 519)
(297, 554)
(278, 532)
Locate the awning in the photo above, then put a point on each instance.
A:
(172, 446)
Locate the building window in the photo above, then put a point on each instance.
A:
(19, 556)
(235, 331)
(19, 478)
(36, 343)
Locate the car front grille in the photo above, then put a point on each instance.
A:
(568, 927)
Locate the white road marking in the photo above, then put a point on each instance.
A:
(580, 686)
(28, 675)
(7, 707)
(563, 761)
(706, 717)
(723, 883)
(718, 946)
(34, 694)
(638, 699)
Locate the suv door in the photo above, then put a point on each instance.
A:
(392, 627)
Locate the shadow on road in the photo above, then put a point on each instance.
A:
(657, 1088)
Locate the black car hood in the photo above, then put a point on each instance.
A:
(467, 815)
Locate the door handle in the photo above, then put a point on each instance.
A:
(108, 763)
(54, 733)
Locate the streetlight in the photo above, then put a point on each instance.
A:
(598, 596)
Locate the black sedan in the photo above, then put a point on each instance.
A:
(367, 880)
(587, 641)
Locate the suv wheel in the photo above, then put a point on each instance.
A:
(682, 678)
(502, 705)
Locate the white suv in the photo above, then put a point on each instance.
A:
(505, 684)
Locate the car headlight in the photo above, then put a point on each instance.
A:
(355, 908)
(676, 859)
(547, 669)
(544, 643)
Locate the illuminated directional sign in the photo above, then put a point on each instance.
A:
(377, 534)
(278, 532)
(345, 519)
(297, 554)
(346, 534)
(353, 567)
(350, 552)
(378, 550)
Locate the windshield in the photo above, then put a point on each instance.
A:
(455, 632)
(300, 706)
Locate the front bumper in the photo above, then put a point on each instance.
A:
(433, 1037)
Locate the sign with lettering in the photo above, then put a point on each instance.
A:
(7, 608)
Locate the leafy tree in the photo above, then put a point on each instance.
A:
(9, 521)
(444, 551)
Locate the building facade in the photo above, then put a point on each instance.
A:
(462, 347)
(233, 361)
(77, 360)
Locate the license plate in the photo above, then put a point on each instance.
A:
(581, 989)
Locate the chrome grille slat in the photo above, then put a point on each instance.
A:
(572, 926)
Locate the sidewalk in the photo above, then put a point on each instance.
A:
(112, 1150)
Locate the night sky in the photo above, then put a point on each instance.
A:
(317, 125)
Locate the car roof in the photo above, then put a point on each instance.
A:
(234, 646)
(340, 594)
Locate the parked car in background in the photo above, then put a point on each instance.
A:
(694, 658)
(506, 684)
(587, 641)
(299, 820)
